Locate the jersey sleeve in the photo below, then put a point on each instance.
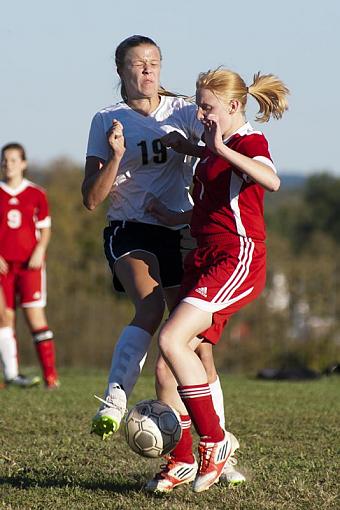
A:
(97, 143)
(43, 218)
(255, 146)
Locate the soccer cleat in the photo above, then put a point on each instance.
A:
(110, 414)
(213, 457)
(172, 474)
(22, 381)
(229, 474)
(52, 383)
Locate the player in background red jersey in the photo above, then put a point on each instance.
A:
(24, 236)
(227, 269)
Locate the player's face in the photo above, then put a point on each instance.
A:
(141, 72)
(208, 104)
(12, 164)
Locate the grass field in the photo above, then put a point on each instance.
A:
(289, 435)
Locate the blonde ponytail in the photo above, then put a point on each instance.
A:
(271, 94)
(268, 90)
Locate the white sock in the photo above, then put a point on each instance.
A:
(128, 358)
(218, 401)
(8, 353)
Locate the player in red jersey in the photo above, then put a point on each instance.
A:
(228, 268)
(24, 236)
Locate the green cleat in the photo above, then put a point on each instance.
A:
(104, 426)
(110, 414)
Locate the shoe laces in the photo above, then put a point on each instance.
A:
(205, 453)
(110, 403)
(165, 468)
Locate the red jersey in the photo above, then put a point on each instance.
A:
(225, 199)
(22, 211)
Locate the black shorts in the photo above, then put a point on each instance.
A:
(169, 246)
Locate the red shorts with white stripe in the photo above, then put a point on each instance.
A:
(223, 278)
(28, 284)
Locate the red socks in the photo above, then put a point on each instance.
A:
(197, 399)
(44, 344)
(183, 450)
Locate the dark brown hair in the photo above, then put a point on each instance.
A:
(16, 146)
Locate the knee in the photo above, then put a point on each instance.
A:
(166, 343)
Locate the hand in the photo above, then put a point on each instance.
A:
(161, 212)
(212, 132)
(37, 258)
(116, 139)
(3, 266)
(175, 141)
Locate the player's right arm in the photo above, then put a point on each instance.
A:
(100, 176)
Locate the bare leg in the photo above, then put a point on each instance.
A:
(205, 353)
(185, 323)
(35, 318)
(166, 384)
(139, 275)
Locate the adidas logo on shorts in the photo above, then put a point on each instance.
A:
(202, 290)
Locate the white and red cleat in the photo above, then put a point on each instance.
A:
(172, 474)
(213, 457)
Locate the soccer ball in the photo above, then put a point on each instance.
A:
(152, 428)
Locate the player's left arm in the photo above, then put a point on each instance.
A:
(167, 216)
(258, 171)
(255, 148)
(43, 226)
(38, 255)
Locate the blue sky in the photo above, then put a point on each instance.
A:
(57, 67)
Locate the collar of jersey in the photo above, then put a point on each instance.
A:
(14, 191)
(152, 114)
(243, 130)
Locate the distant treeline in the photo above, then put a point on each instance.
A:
(295, 321)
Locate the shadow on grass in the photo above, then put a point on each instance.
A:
(35, 480)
